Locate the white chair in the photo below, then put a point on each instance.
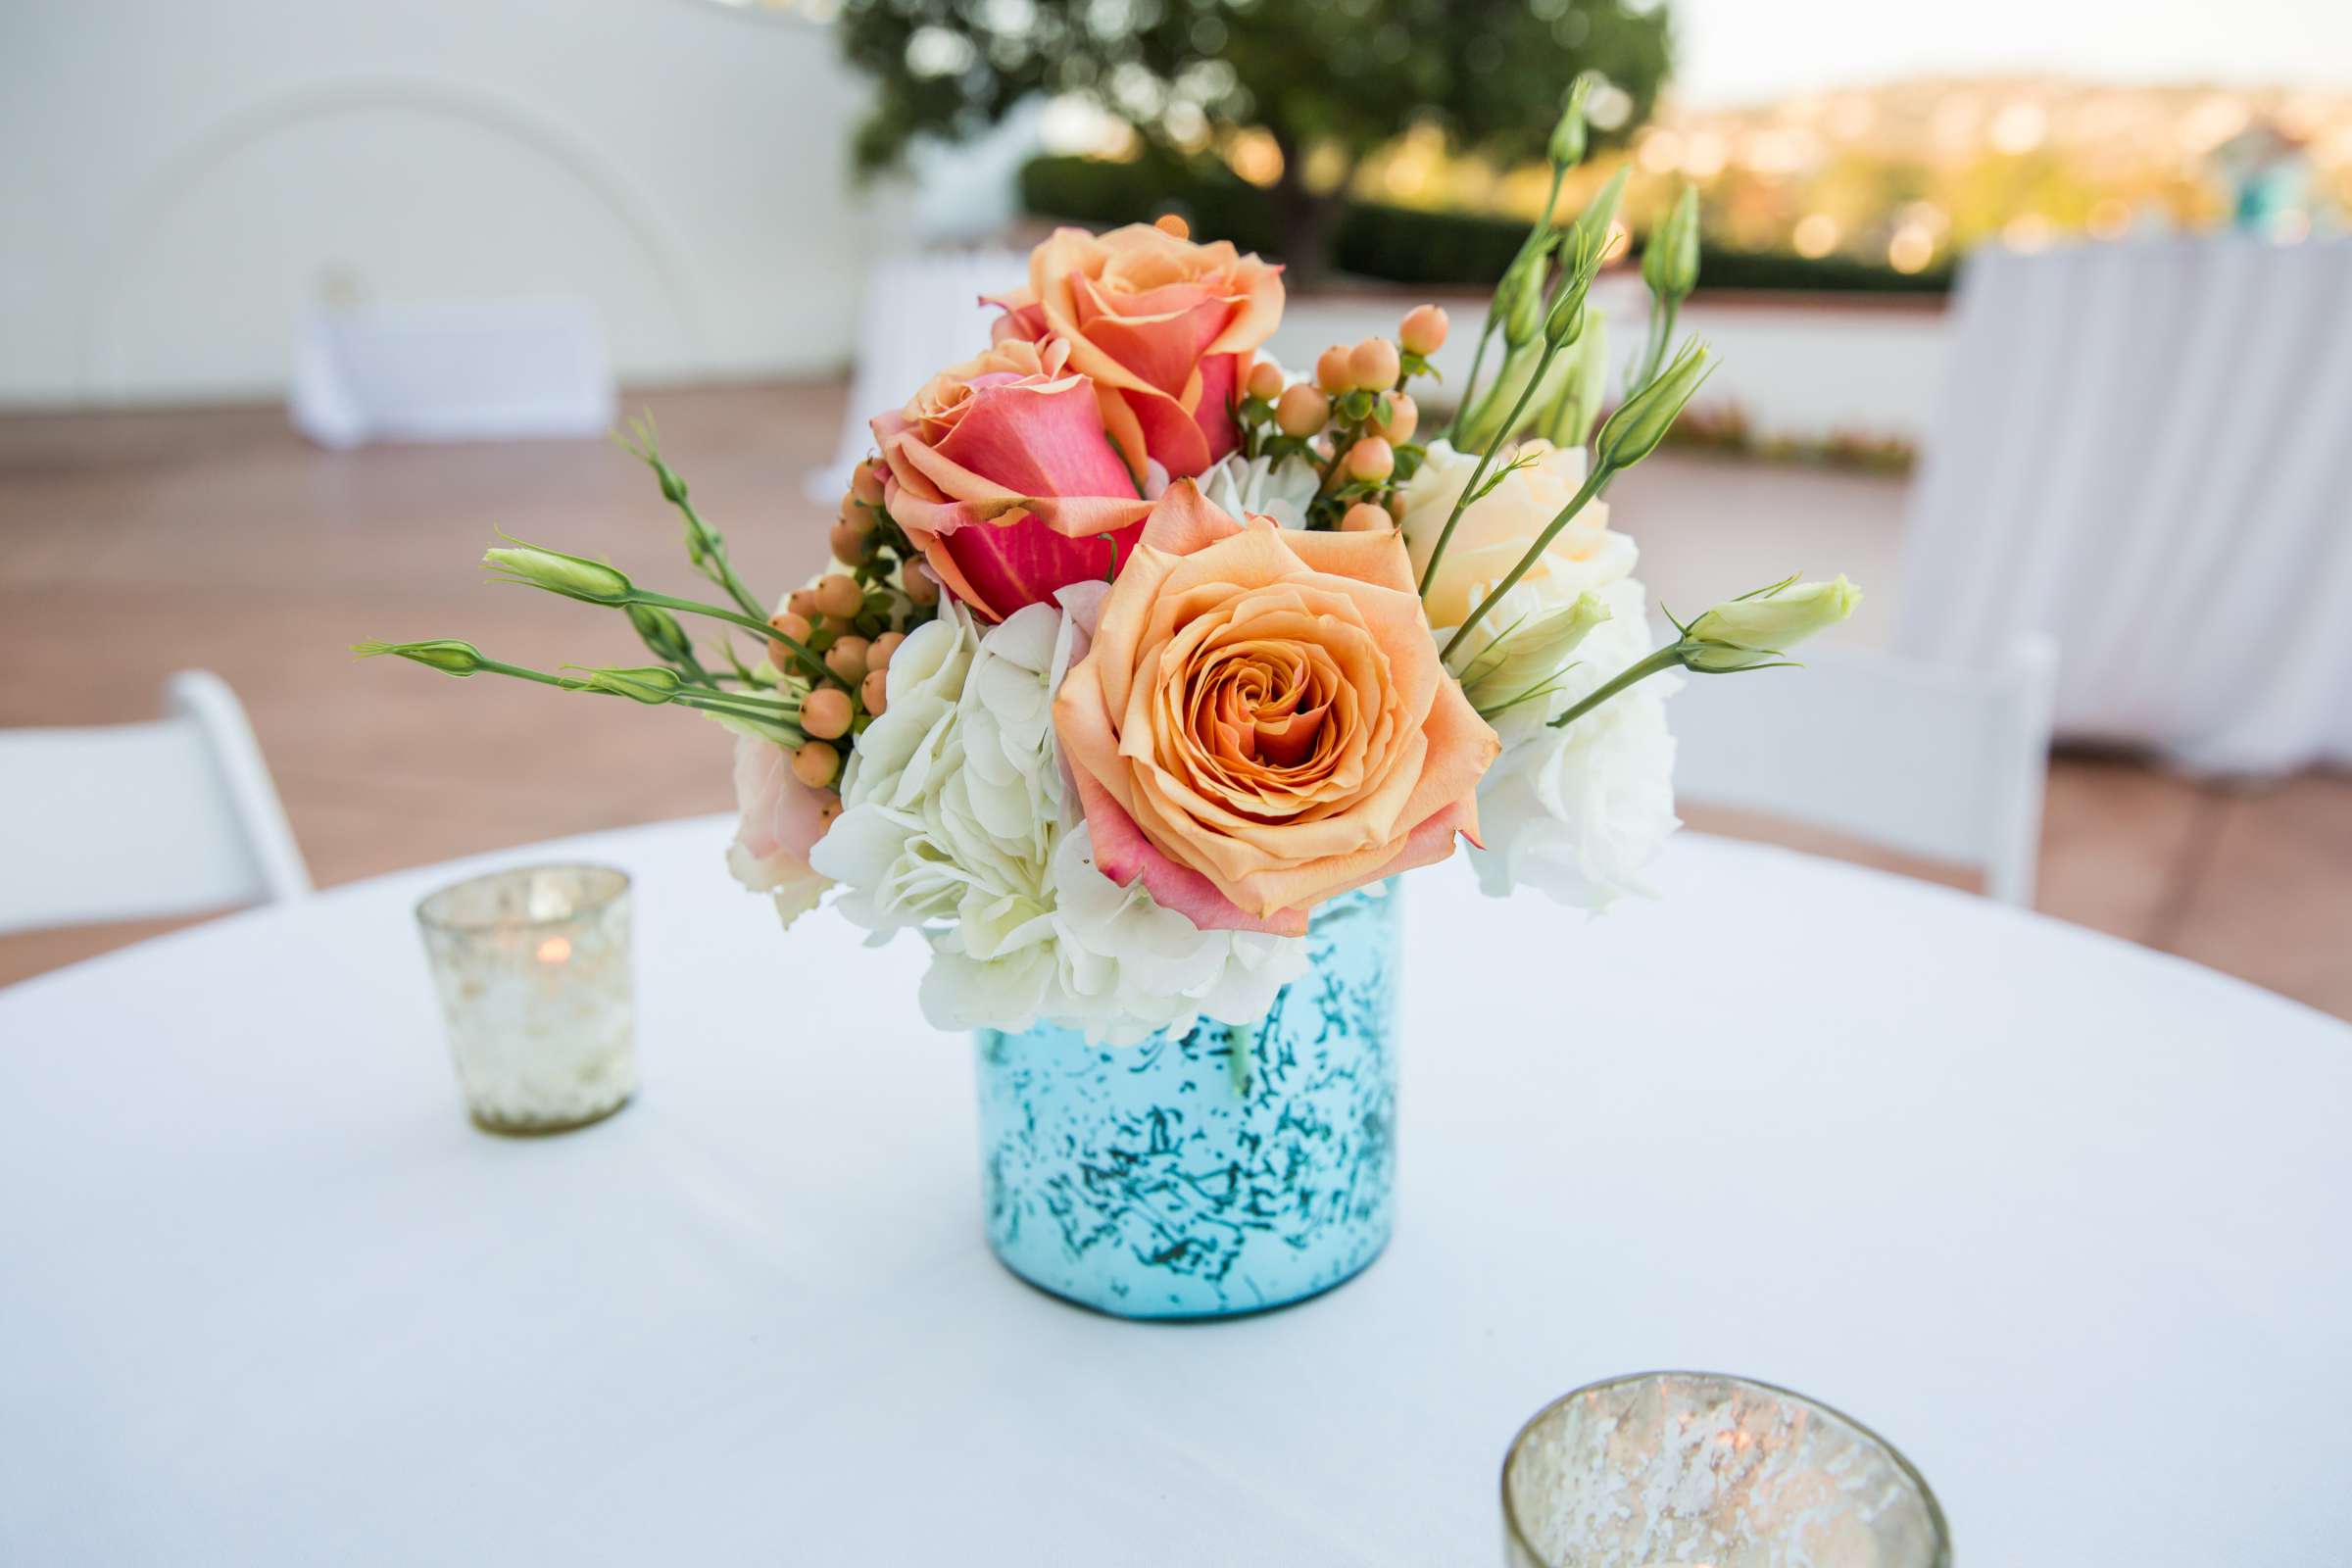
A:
(2142, 453)
(142, 819)
(1943, 763)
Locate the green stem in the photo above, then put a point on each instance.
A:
(1241, 1044)
(813, 664)
(1667, 657)
(1486, 458)
(1486, 333)
(520, 673)
(1592, 485)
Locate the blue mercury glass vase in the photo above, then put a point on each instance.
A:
(1170, 1179)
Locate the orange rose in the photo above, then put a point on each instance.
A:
(1165, 327)
(1260, 722)
(1002, 474)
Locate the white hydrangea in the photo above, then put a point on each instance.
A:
(1243, 486)
(1580, 812)
(954, 822)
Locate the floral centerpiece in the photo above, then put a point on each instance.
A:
(1141, 670)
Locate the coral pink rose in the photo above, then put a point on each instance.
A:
(1260, 722)
(782, 821)
(1002, 474)
(1164, 326)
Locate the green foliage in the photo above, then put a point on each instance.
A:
(1393, 244)
(1330, 76)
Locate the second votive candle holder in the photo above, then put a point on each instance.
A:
(1700, 1470)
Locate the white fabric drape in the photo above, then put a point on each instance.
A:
(2145, 451)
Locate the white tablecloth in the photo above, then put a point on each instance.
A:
(2066, 1219)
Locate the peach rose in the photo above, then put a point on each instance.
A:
(1165, 327)
(1260, 722)
(1002, 474)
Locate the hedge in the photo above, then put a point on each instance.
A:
(1394, 244)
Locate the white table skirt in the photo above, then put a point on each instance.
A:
(2066, 1219)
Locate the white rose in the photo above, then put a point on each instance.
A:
(1497, 530)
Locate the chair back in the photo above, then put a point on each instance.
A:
(1942, 764)
(142, 819)
(2142, 453)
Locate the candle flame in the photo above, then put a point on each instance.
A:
(554, 950)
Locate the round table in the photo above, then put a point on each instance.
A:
(2064, 1219)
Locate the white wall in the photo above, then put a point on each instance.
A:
(180, 179)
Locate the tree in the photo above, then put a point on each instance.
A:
(1333, 78)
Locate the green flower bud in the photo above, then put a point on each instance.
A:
(1592, 224)
(1567, 317)
(448, 655)
(1759, 627)
(1519, 298)
(1670, 263)
(651, 684)
(662, 633)
(1526, 658)
(1566, 148)
(1566, 420)
(573, 576)
(1643, 419)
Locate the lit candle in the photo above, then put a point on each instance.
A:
(532, 966)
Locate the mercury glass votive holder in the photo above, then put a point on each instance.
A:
(1698, 1470)
(532, 966)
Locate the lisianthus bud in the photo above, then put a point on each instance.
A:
(1334, 370)
(1373, 365)
(1519, 298)
(873, 692)
(1670, 264)
(573, 577)
(826, 713)
(1371, 460)
(1643, 419)
(653, 684)
(447, 655)
(1404, 417)
(847, 659)
(815, 764)
(659, 630)
(1758, 628)
(1265, 380)
(1302, 411)
(865, 485)
(1567, 318)
(1566, 149)
(1423, 330)
(877, 656)
(1526, 657)
(1568, 421)
(837, 595)
(1365, 518)
(1592, 224)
